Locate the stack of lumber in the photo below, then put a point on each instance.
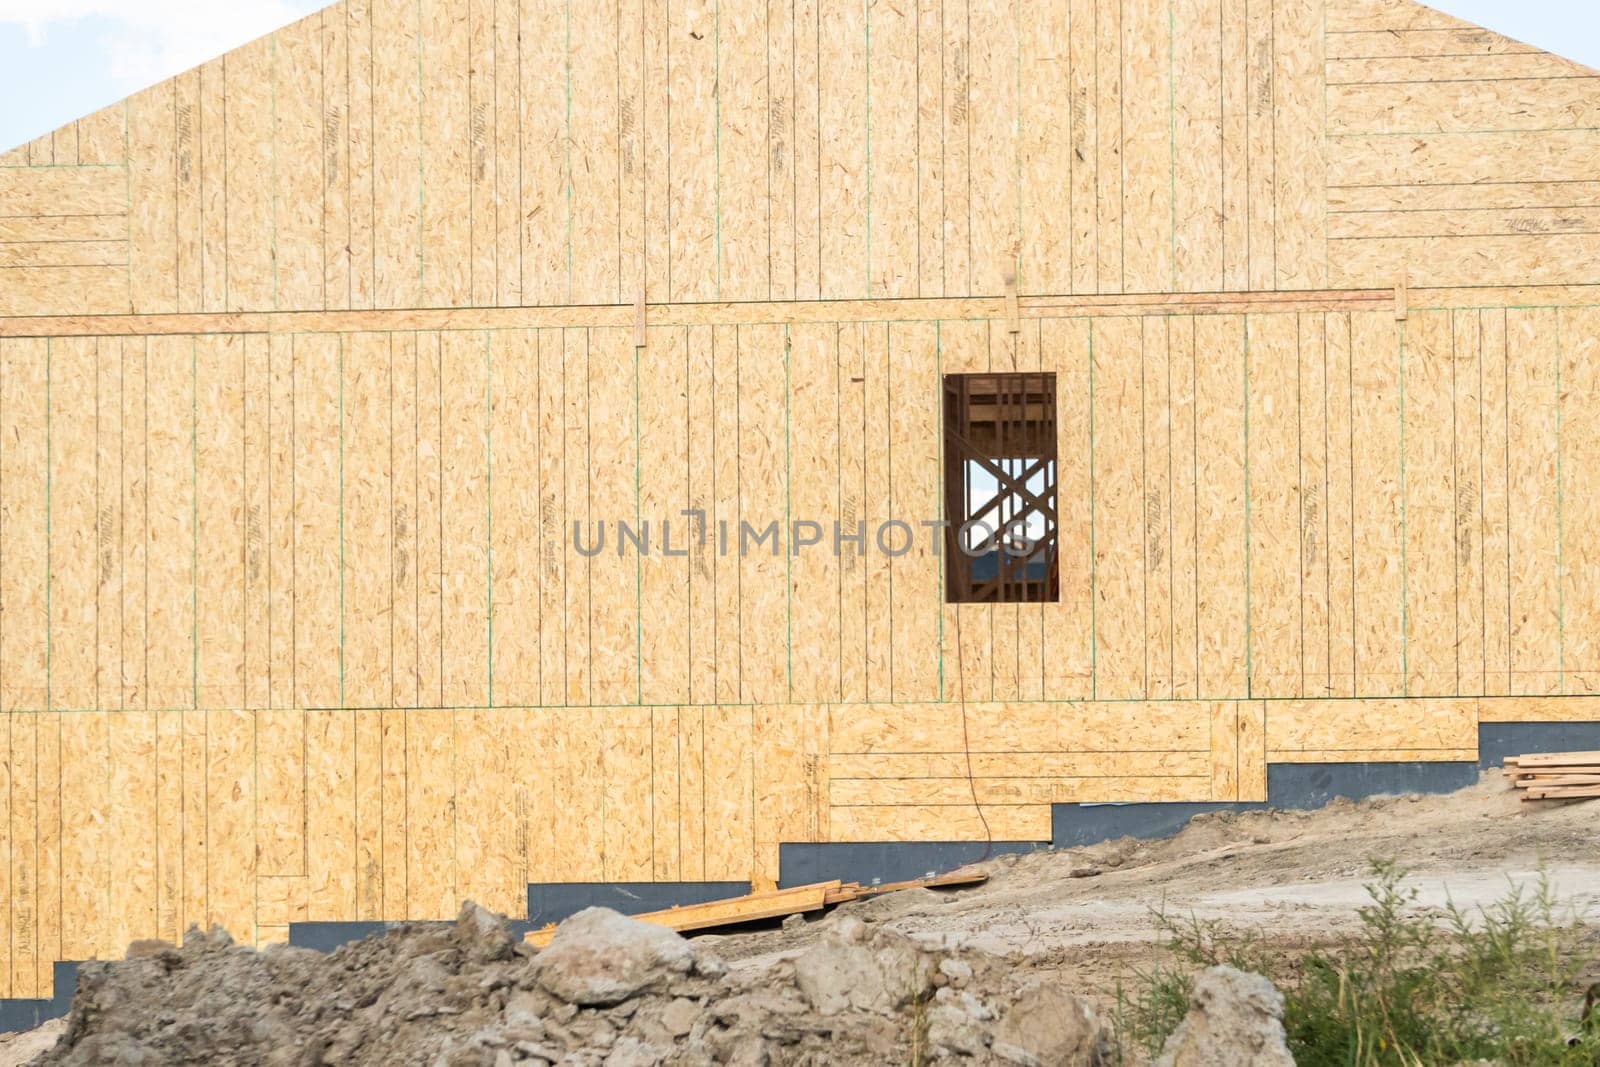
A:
(777, 903)
(1555, 775)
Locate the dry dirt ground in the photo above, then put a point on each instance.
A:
(1296, 877)
(1081, 919)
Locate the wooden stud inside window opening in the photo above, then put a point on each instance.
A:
(1000, 488)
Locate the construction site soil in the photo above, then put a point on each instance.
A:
(1021, 969)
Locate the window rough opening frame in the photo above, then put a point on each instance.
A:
(1001, 426)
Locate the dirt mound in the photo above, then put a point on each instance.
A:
(1085, 917)
(1022, 969)
(20, 1048)
(608, 991)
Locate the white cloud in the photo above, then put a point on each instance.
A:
(146, 41)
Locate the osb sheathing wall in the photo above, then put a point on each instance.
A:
(289, 627)
(361, 537)
(471, 153)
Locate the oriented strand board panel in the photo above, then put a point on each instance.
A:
(1220, 452)
(1539, 709)
(614, 601)
(72, 489)
(1580, 439)
(221, 532)
(1379, 539)
(366, 546)
(1340, 450)
(1429, 507)
(814, 463)
(299, 204)
(1371, 725)
(64, 240)
(1119, 509)
(579, 497)
(711, 602)
(397, 170)
(461, 153)
(169, 528)
(1000, 728)
(956, 822)
(1068, 653)
(1273, 462)
(1183, 516)
(1156, 525)
(465, 517)
(851, 536)
(915, 464)
(1299, 144)
(844, 194)
(1445, 144)
(317, 506)
(1535, 521)
(743, 128)
(1467, 541)
(763, 627)
(1313, 443)
(664, 457)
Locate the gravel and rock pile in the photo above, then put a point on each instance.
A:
(608, 992)
(1023, 969)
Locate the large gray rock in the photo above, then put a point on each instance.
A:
(679, 1016)
(857, 969)
(483, 935)
(955, 1023)
(1047, 1025)
(1235, 1020)
(598, 957)
(631, 1052)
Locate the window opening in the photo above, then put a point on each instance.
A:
(1000, 488)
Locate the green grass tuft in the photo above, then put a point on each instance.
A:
(1499, 983)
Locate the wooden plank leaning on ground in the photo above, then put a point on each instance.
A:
(777, 903)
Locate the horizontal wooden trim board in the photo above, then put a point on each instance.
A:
(690, 314)
(792, 312)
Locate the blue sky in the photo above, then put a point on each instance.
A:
(61, 59)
